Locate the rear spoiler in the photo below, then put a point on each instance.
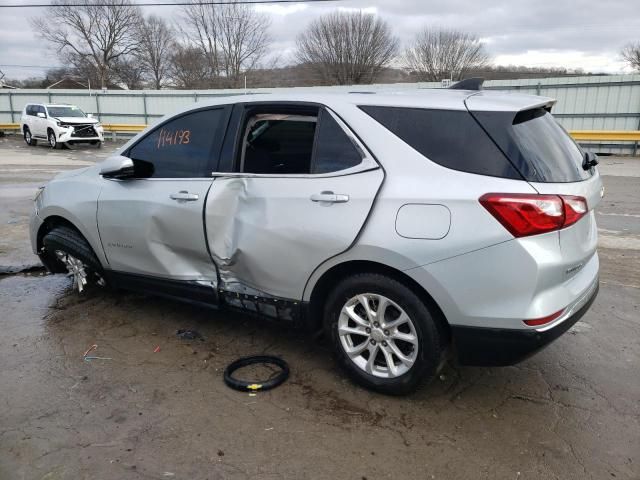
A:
(499, 101)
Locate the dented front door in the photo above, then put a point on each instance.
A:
(154, 227)
(268, 234)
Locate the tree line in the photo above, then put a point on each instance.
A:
(224, 46)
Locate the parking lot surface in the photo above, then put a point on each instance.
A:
(570, 412)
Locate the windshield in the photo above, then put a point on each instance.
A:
(65, 112)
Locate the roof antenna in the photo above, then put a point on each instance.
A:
(468, 84)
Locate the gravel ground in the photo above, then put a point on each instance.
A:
(570, 412)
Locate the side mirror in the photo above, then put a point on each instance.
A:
(117, 167)
(41, 115)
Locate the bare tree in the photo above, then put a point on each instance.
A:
(233, 38)
(131, 72)
(99, 34)
(155, 49)
(437, 54)
(189, 68)
(631, 54)
(347, 47)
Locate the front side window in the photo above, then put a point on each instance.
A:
(309, 143)
(182, 147)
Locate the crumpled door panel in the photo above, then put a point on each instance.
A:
(267, 236)
(144, 231)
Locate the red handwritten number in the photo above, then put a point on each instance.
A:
(177, 137)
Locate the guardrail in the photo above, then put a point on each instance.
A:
(606, 135)
(113, 128)
(586, 136)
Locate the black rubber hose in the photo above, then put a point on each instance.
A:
(253, 386)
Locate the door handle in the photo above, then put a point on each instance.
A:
(184, 196)
(329, 197)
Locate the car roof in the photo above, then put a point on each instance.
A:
(433, 98)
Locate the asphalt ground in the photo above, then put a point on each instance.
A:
(570, 412)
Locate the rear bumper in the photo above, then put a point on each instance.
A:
(479, 346)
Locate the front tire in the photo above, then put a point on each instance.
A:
(65, 250)
(53, 141)
(28, 138)
(383, 334)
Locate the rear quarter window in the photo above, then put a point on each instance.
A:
(451, 138)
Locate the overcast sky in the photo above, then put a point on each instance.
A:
(560, 33)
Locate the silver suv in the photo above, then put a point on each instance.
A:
(400, 224)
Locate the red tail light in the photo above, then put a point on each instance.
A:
(574, 209)
(536, 322)
(526, 214)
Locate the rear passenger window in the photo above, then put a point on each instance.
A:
(278, 144)
(334, 149)
(182, 147)
(450, 138)
(309, 143)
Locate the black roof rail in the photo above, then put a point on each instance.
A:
(468, 84)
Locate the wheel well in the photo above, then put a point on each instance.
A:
(332, 276)
(25, 128)
(49, 224)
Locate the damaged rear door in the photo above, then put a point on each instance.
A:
(300, 190)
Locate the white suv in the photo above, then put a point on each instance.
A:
(59, 124)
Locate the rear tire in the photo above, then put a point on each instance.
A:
(403, 339)
(65, 250)
(28, 138)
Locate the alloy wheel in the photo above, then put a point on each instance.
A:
(377, 335)
(52, 140)
(77, 269)
(27, 137)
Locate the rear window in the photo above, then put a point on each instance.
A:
(450, 138)
(536, 145)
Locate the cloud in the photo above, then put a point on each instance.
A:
(563, 33)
